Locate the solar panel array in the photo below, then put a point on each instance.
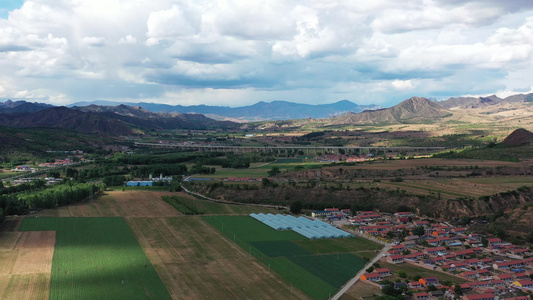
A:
(312, 229)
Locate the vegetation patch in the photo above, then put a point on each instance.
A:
(183, 206)
(97, 258)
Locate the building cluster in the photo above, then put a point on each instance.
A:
(157, 180)
(60, 162)
(49, 180)
(57, 163)
(489, 267)
(23, 168)
(332, 214)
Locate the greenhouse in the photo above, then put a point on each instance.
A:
(312, 229)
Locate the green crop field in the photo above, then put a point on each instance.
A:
(326, 246)
(97, 258)
(294, 257)
(335, 269)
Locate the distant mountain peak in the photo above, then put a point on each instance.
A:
(260, 111)
(412, 110)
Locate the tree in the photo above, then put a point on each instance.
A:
(274, 171)
(54, 174)
(402, 274)
(296, 207)
(484, 241)
(431, 288)
(419, 230)
(457, 289)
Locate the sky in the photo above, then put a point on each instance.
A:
(239, 52)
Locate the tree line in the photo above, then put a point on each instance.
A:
(57, 195)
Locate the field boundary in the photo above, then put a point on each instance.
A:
(232, 202)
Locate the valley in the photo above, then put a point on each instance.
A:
(459, 163)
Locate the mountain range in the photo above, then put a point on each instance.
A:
(126, 119)
(261, 111)
(479, 102)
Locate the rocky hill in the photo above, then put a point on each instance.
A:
(412, 110)
(519, 137)
(375, 198)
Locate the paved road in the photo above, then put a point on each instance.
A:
(356, 278)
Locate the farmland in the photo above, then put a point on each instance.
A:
(95, 257)
(318, 274)
(180, 256)
(192, 258)
(195, 261)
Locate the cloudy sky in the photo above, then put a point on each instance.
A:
(239, 52)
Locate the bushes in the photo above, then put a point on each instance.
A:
(182, 205)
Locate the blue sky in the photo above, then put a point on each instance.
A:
(8, 5)
(236, 52)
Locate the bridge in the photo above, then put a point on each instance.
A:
(287, 149)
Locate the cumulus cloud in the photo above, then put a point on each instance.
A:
(403, 84)
(239, 52)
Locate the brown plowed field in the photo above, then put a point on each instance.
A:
(118, 204)
(25, 262)
(35, 252)
(196, 262)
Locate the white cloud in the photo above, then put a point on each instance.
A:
(403, 84)
(217, 51)
(426, 15)
(129, 39)
(178, 21)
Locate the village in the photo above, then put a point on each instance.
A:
(485, 268)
